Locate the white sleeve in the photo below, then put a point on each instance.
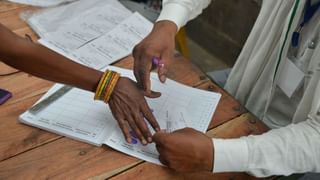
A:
(291, 149)
(181, 11)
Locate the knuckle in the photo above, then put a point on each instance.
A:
(121, 123)
(146, 131)
(136, 50)
(144, 49)
(138, 132)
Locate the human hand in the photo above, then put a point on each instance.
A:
(129, 107)
(185, 150)
(160, 43)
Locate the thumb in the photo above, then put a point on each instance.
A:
(166, 57)
(152, 94)
(162, 73)
(159, 137)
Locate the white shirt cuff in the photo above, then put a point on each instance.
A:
(175, 13)
(230, 155)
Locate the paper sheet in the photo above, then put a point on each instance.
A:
(114, 45)
(107, 48)
(50, 20)
(86, 27)
(78, 116)
(42, 3)
(99, 36)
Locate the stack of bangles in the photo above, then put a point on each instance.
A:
(106, 85)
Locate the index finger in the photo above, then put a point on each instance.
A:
(144, 76)
(147, 113)
(136, 68)
(144, 71)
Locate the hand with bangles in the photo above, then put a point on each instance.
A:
(129, 107)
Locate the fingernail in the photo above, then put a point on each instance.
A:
(157, 129)
(144, 142)
(129, 140)
(149, 139)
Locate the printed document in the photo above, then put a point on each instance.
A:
(107, 48)
(78, 116)
(42, 3)
(50, 20)
(86, 27)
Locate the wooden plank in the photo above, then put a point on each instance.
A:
(15, 137)
(11, 19)
(23, 86)
(147, 171)
(106, 175)
(27, 30)
(8, 6)
(241, 126)
(244, 125)
(65, 159)
(4, 69)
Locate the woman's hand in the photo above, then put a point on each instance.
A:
(129, 107)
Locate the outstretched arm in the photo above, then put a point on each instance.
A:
(126, 102)
(37, 60)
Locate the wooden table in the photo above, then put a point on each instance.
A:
(30, 153)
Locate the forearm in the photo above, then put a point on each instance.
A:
(291, 149)
(44, 63)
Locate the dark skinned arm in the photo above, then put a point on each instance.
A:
(39, 61)
(127, 102)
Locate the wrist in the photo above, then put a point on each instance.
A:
(167, 27)
(210, 157)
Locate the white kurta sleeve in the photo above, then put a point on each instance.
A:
(291, 149)
(181, 11)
